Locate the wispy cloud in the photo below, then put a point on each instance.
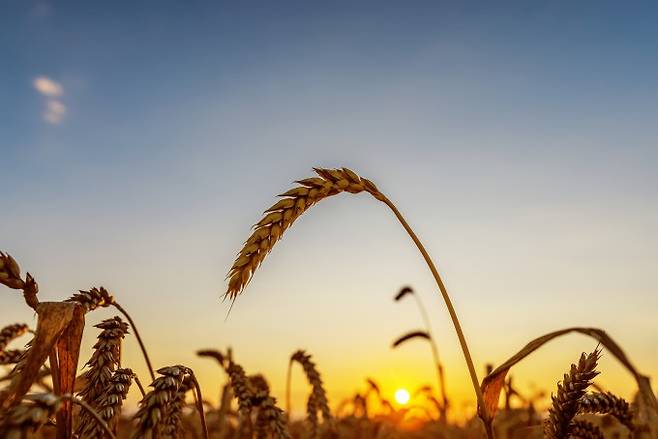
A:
(47, 86)
(52, 90)
(54, 112)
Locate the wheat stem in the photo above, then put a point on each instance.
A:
(446, 299)
(138, 337)
(90, 411)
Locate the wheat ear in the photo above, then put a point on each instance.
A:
(569, 394)
(153, 407)
(172, 424)
(101, 298)
(109, 404)
(317, 400)
(10, 276)
(294, 203)
(9, 333)
(11, 356)
(608, 403)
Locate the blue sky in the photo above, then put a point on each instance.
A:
(141, 140)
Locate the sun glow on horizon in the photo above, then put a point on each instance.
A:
(402, 396)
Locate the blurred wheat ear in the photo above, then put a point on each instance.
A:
(280, 216)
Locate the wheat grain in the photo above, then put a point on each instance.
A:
(608, 403)
(569, 393)
(584, 430)
(8, 333)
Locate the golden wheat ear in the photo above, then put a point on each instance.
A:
(566, 402)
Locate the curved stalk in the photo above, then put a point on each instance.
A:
(198, 399)
(448, 302)
(288, 385)
(437, 361)
(137, 336)
(92, 412)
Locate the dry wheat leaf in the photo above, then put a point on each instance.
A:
(492, 384)
(54, 318)
(68, 352)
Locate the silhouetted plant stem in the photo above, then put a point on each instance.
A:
(448, 302)
(137, 336)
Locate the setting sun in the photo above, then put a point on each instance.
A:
(402, 396)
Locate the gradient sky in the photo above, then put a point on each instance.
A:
(140, 140)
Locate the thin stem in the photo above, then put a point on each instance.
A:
(448, 302)
(139, 385)
(288, 385)
(91, 411)
(139, 339)
(198, 398)
(435, 354)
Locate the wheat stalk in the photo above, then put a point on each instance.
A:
(109, 404)
(294, 203)
(608, 403)
(584, 430)
(271, 418)
(569, 394)
(10, 276)
(317, 400)
(101, 298)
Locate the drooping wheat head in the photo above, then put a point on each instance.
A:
(608, 403)
(29, 416)
(10, 276)
(8, 333)
(109, 404)
(569, 394)
(283, 213)
(317, 401)
(154, 406)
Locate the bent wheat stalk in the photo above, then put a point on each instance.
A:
(279, 217)
(101, 298)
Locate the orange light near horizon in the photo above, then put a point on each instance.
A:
(402, 396)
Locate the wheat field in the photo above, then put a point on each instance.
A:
(47, 390)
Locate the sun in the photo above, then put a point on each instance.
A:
(402, 396)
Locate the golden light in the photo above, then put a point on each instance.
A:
(402, 396)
